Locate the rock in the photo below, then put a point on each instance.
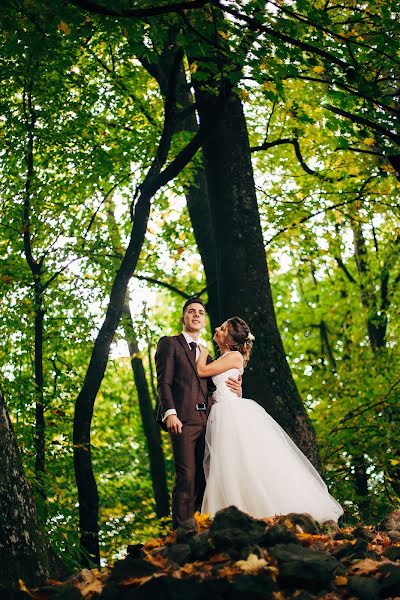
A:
(391, 522)
(134, 550)
(200, 545)
(255, 587)
(305, 521)
(343, 535)
(169, 588)
(389, 584)
(394, 536)
(278, 534)
(392, 553)
(131, 567)
(179, 553)
(303, 567)
(344, 551)
(232, 530)
(330, 527)
(365, 588)
(349, 552)
(363, 533)
(59, 592)
(185, 531)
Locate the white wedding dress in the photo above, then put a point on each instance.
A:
(252, 463)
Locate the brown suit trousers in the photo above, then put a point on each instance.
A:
(180, 387)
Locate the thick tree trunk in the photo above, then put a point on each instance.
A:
(242, 275)
(150, 427)
(196, 194)
(23, 548)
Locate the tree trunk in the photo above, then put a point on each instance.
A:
(36, 268)
(196, 194)
(154, 180)
(377, 318)
(23, 548)
(39, 381)
(243, 284)
(150, 427)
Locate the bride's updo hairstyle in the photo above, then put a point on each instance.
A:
(240, 337)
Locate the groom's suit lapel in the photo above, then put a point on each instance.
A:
(191, 355)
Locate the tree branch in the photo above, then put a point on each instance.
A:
(149, 11)
(257, 26)
(363, 121)
(295, 143)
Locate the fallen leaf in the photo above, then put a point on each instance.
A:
(366, 566)
(218, 558)
(253, 563)
(340, 580)
(90, 589)
(134, 581)
(203, 520)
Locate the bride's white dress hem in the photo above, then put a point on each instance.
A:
(252, 463)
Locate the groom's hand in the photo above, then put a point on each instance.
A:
(174, 425)
(235, 385)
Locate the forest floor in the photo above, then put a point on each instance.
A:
(235, 556)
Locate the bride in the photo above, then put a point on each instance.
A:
(249, 460)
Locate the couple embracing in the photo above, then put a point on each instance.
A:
(227, 449)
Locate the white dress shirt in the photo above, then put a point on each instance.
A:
(189, 339)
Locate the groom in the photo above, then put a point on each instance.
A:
(184, 405)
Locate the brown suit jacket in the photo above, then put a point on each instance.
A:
(178, 383)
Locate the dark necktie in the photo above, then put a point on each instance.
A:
(193, 347)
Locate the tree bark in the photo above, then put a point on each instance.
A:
(154, 180)
(377, 318)
(36, 268)
(150, 427)
(196, 193)
(23, 548)
(243, 284)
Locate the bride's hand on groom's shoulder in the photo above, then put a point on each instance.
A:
(203, 350)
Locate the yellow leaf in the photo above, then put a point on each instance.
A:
(193, 68)
(253, 563)
(394, 462)
(369, 141)
(319, 69)
(63, 27)
(270, 86)
(203, 520)
(223, 34)
(339, 580)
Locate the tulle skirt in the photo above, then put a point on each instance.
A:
(252, 463)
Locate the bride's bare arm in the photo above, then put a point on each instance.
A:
(232, 360)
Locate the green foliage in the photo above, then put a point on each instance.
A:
(97, 120)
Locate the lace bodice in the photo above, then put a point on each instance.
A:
(223, 392)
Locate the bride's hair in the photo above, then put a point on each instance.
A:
(240, 337)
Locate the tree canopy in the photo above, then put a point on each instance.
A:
(109, 116)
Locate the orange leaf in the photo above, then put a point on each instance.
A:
(366, 566)
(64, 28)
